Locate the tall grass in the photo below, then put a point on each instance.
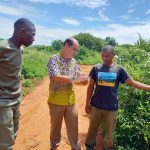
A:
(34, 67)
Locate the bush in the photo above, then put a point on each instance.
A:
(27, 83)
(88, 57)
(132, 131)
(34, 66)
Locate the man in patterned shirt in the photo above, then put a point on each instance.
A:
(63, 72)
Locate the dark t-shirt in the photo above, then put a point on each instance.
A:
(107, 79)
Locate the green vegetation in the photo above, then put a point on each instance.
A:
(57, 44)
(133, 125)
(34, 66)
(88, 57)
(94, 43)
(143, 44)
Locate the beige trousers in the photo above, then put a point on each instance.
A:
(70, 115)
(97, 118)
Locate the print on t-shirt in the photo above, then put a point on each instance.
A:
(107, 78)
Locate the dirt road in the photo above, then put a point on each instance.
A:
(35, 121)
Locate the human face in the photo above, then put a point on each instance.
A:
(74, 49)
(107, 57)
(71, 50)
(28, 37)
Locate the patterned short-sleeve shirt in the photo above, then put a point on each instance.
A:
(59, 66)
(60, 93)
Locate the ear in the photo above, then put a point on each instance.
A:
(114, 54)
(22, 31)
(66, 44)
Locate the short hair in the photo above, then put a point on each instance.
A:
(70, 41)
(108, 48)
(22, 22)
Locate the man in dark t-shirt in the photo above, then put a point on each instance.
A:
(102, 102)
(107, 79)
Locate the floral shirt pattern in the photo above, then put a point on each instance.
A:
(59, 66)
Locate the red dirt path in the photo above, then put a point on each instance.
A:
(35, 121)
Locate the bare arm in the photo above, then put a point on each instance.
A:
(137, 84)
(61, 79)
(89, 94)
(81, 80)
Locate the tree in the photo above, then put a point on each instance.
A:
(89, 41)
(111, 41)
(57, 44)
